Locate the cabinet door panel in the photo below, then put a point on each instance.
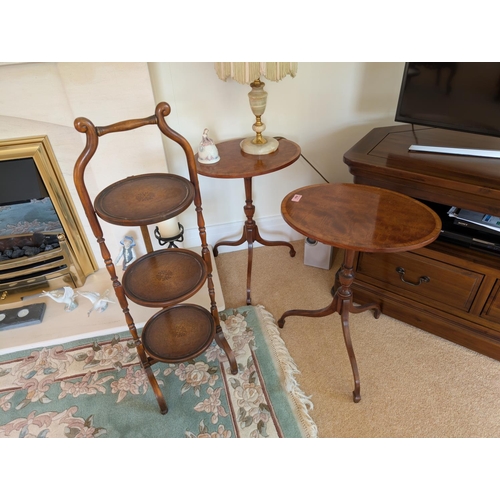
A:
(492, 307)
(422, 279)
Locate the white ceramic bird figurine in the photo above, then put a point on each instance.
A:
(65, 295)
(99, 303)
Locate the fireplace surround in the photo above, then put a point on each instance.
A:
(69, 259)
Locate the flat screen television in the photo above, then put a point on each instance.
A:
(463, 96)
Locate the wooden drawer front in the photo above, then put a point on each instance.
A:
(447, 286)
(492, 307)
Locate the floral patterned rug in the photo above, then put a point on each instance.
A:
(95, 388)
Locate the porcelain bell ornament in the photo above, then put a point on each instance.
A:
(207, 150)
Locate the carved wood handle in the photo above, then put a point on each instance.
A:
(422, 279)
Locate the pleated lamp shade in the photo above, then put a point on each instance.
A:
(251, 73)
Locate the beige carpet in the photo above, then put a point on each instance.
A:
(413, 383)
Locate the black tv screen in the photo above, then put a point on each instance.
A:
(461, 96)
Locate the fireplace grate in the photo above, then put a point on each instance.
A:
(28, 264)
(47, 270)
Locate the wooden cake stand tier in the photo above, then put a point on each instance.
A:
(179, 333)
(145, 199)
(165, 277)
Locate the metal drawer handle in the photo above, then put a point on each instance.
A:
(422, 279)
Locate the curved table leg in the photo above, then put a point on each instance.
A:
(144, 359)
(146, 365)
(251, 235)
(343, 304)
(249, 272)
(365, 307)
(156, 389)
(268, 243)
(344, 314)
(231, 243)
(318, 313)
(343, 307)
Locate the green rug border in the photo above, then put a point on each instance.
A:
(285, 369)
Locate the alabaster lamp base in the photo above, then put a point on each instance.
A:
(248, 146)
(258, 145)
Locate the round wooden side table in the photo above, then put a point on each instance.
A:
(235, 164)
(356, 218)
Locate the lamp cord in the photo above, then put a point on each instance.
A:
(311, 165)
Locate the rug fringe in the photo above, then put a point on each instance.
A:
(303, 403)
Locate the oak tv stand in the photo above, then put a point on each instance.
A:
(445, 289)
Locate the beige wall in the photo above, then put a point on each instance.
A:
(326, 108)
(45, 99)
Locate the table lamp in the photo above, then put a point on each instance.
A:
(250, 73)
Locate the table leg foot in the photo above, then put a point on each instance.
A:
(268, 243)
(365, 307)
(356, 397)
(317, 313)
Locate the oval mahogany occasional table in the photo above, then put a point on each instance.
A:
(236, 164)
(356, 218)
